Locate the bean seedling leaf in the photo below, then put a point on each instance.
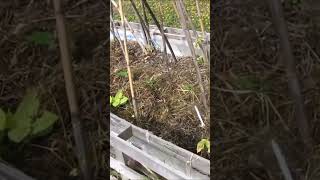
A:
(18, 134)
(123, 100)
(116, 102)
(27, 109)
(200, 146)
(44, 122)
(204, 143)
(118, 95)
(3, 120)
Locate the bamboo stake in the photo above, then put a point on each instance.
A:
(130, 28)
(189, 40)
(127, 60)
(188, 20)
(160, 29)
(146, 32)
(293, 83)
(202, 28)
(79, 134)
(200, 19)
(113, 30)
(163, 41)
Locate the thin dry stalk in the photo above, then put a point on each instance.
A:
(126, 54)
(161, 29)
(146, 33)
(294, 87)
(188, 20)
(131, 29)
(79, 134)
(164, 43)
(187, 33)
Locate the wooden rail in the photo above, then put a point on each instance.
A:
(162, 157)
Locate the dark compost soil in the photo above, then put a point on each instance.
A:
(251, 102)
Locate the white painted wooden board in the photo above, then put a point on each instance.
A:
(164, 158)
(124, 170)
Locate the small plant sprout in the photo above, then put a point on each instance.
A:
(203, 144)
(122, 73)
(151, 82)
(199, 116)
(119, 99)
(187, 88)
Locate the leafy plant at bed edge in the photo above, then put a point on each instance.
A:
(119, 99)
(203, 144)
(27, 122)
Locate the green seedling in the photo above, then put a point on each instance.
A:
(200, 60)
(119, 99)
(122, 73)
(151, 82)
(204, 144)
(187, 88)
(41, 38)
(27, 121)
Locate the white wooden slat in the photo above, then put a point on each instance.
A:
(125, 170)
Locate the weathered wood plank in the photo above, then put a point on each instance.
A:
(124, 170)
(10, 173)
(152, 150)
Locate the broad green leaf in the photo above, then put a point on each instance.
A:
(200, 146)
(111, 99)
(116, 102)
(123, 100)
(118, 95)
(41, 38)
(19, 134)
(3, 120)
(27, 109)
(10, 122)
(207, 144)
(44, 122)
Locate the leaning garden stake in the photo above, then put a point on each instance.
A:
(145, 3)
(79, 135)
(293, 83)
(126, 54)
(189, 40)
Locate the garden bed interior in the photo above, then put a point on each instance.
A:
(164, 108)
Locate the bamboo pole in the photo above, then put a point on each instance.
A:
(189, 40)
(188, 20)
(113, 29)
(163, 41)
(200, 19)
(79, 134)
(160, 29)
(130, 28)
(145, 29)
(293, 82)
(126, 54)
